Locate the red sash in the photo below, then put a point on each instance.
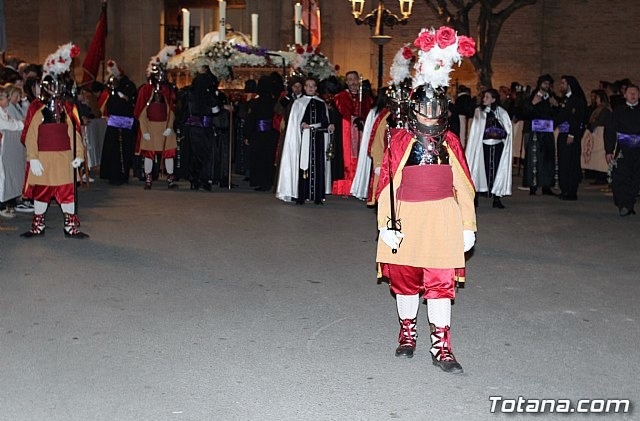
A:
(157, 111)
(421, 183)
(53, 137)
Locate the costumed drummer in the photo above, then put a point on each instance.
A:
(54, 147)
(426, 216)
(154, 111)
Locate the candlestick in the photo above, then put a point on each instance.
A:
(223, 20)
(298, 24)
(254, 29)
(185, 28)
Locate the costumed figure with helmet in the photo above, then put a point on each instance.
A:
(54, 146)
(119, 139)
(426, 217)
(155, 114)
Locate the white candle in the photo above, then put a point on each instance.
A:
(185, 28)
(254, 29)
(223, 20)
(297, 23)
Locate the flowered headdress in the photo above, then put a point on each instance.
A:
(59, 62)
(160, 60)
(438, 51)
(400, 69)
(113, 69)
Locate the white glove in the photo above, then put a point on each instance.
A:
(146, 136)
(167, 132)
(392, 238)
(77, 162)
(36, 167)
(469, 239)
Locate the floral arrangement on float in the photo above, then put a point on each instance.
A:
(59, 62)
(310, 61)
(438, 50)
(222, 56)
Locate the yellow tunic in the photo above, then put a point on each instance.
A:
(433, 229)
(158, 142)
(57, 164)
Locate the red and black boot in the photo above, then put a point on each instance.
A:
(71, 225)
(171, 181)
(407, 338)
(37, 227)
(147, 181)
(441, 353)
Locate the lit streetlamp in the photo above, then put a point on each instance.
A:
(378, 18)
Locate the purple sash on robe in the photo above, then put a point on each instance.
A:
(544, 126)
(120, 122)
(629, 140)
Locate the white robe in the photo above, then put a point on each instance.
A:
(475, 154)
(360, 184)
(290, 162)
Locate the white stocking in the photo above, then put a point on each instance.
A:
(407, 306)
(439, 311)
(168, 165)
(69, 208)
(148, 166)
(39, 208)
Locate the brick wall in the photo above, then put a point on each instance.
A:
(591, 39)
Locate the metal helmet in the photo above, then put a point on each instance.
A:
(427, 103)
(112, 84)
(157, 72)
(49, 87)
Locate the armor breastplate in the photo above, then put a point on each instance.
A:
(433, 153)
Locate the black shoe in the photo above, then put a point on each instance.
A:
(405, 351)
(194, 186)
(78, 234)
(546, 191)
(318, 202)
(30, 234)
(623, 211)
(447, 366)
(532, 191)
(300, 202)
(207, 186)
(570, 197)
(497, 203)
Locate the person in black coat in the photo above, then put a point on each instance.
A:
(570, 121)
(622, 138)
(261, 136)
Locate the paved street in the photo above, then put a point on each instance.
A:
(235, 306)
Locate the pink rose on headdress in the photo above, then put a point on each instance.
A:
(337, 67)
(75, 51)
(299, 49)
(466, 46)
(425, 41)
(445, 36)
(309, 49)
(407, 53)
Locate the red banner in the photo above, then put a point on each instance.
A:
(96, 51)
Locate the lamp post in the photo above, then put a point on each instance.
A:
(378, 18)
